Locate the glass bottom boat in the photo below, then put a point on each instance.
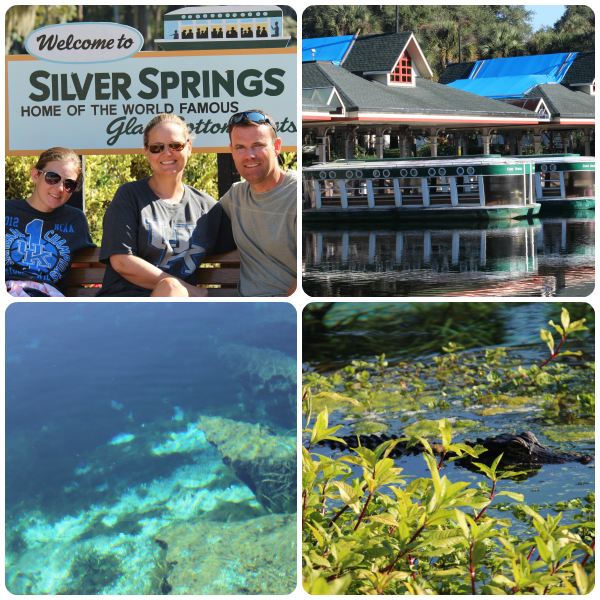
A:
(564, 182)
(481, 188)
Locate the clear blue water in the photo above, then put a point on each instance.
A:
(101, 442)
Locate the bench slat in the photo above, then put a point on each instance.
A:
(92, 271)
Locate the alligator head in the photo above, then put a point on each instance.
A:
(525, 449)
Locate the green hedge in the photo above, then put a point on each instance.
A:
(104, 174)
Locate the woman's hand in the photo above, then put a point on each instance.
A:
(198, 292)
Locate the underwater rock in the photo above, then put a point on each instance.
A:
(265, 462)
(269, 376)
(122, 438)
(259, 368)
(257, 556)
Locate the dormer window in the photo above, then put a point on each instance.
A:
(402, 72)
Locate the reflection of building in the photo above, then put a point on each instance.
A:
(223, 27)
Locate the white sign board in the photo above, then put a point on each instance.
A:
(102, 108)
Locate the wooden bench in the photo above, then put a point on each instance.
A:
(221, 270)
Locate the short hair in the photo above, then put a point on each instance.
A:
(246, 122)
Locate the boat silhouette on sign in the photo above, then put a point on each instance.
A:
(223, 28)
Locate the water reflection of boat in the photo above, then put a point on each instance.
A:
(223, 28)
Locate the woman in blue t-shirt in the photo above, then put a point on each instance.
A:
(42, 232)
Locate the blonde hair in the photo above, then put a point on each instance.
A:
(60, 154)
(166, 118)
(246, 122)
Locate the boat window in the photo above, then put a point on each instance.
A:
(467, 189)
(439, 190)
(383, 192)
(504, 189)
(580, 184)
(330, 192)
(550, 184)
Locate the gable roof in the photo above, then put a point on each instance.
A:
(359, 94)
(379, 53)
(566, 102)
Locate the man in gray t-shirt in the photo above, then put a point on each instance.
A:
(173, 237)
(263, 208)
(264, 228)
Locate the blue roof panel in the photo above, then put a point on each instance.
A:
(331, 49)
(504, 77)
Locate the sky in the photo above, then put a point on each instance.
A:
(545, 14)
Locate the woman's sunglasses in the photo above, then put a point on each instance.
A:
(253, 116)
(53, 178)
(158, 148)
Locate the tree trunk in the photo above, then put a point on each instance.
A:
(157, 25)
(80, 13)
(20, 20)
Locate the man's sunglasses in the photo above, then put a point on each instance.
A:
(158, 148)
(53, 178)
(253, 116)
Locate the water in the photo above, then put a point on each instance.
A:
(400, 413)
(110, 408)
(550, 256)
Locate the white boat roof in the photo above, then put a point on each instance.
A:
(556, 158)
(223, 8)
(441, 161)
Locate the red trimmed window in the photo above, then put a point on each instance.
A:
(402, 72)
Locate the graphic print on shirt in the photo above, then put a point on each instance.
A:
(179, 254)
(46, 257)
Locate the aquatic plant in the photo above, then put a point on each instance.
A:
(367, 529)
(159, 575)
(91, 572)
(88, 560)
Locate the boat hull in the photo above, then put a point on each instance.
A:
(431, 213)
(553, 205)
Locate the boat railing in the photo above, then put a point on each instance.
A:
(464, 191)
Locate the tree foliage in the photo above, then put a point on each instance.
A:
(486, 31)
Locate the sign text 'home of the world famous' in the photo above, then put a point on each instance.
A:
(101, 106)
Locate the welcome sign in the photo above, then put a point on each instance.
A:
(61, 98)
(84, 42)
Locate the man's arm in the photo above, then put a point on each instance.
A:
(292, 288)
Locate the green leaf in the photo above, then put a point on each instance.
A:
(335, 396)
(348, 495)
(547, 337)
(513, 495)
(565, 319)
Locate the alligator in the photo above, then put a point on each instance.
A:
(523, 449)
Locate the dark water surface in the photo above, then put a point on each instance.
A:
(550, 256)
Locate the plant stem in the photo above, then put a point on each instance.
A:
(362, 514)
(554, 354)
(401, 554)
(472, 570)
(587, 556)
(485, 507)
